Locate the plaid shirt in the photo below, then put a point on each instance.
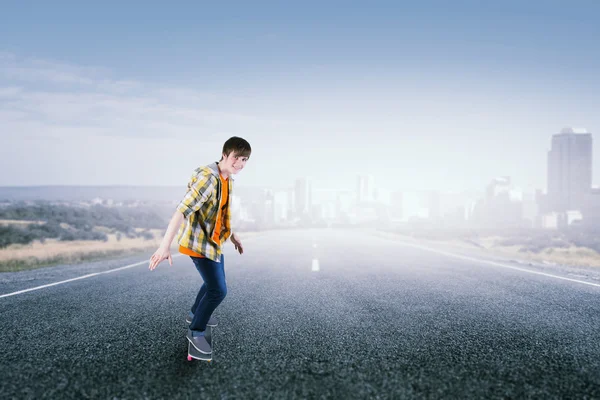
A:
(201, 210)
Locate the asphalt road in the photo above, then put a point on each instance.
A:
(378, 319)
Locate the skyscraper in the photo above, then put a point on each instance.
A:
(569, 169)
(303, 197)
(365, 191)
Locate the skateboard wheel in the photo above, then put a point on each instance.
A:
(189, 358)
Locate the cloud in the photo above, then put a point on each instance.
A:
(66, 99)
(9, 92)
(38, 70)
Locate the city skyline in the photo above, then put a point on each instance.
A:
(569, 198)
(367, 182)
(349, 184)
(365, 185)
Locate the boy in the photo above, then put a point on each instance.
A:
(203, 218)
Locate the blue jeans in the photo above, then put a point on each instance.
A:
(212, 292)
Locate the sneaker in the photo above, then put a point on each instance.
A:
(199, 343)
(211, 322)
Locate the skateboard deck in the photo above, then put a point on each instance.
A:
(194, 354)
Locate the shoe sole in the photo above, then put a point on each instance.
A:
(212, 326)
(203, 352)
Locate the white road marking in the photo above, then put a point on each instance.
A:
(497, 264)
(83, 277)
(90, 275)
(315, 265)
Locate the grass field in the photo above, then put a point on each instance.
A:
(569, 255)
(52, 251)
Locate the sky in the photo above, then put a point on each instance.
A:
(436, 95)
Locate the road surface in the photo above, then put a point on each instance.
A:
(308, 314)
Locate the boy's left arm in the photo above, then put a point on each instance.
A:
(237, 243)
(234, 238)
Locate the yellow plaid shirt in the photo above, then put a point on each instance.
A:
(201, 210)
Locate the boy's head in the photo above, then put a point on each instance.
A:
(236, 151)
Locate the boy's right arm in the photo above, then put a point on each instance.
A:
(164, 251)
(199, 191)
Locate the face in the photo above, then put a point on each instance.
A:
(234, 163)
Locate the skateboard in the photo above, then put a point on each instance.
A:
(194, 354)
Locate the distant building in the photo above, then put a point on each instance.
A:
(530, 208)
(343, 206)
(569, 170)
(329, 211)
(591, 208)
(303, 197)
(549, 221)
(573, 217)
(456, 208)
(502, 206)
(365, 189)
(281, 206)
(469, 210)
(317, 212)
(268, 215)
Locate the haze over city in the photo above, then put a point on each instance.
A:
(428, 96)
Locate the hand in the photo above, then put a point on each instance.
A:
(159, 256)
(237, 243)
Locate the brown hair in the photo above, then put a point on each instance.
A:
(238, 145)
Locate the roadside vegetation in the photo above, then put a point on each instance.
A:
(41, 234)
(23, 223)
(578, 246)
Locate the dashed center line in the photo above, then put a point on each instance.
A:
(315, 265)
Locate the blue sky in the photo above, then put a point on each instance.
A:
(436, 95)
